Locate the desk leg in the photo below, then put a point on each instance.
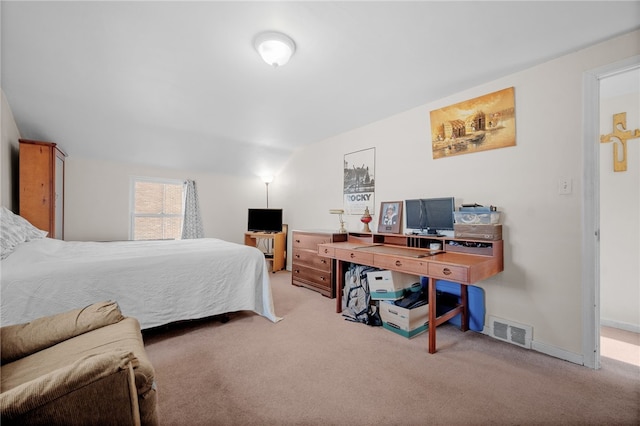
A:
(431, 328)
(464, 299)
(339, 284)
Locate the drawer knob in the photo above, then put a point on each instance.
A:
(322, 278)
(398, 263)
(297, 271)
(297, 241)
(323, 261)
(298, 256)
(446, 271)
(351, 255)
(326, 250)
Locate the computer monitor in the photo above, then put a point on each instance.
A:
(265, 220)
(430, 215)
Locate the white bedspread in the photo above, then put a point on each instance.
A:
(157, 282)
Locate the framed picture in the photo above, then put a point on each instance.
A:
(479, 124)
(390, 217)
(359, 181)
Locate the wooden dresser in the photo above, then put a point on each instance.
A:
(41, 196)
(310, 270)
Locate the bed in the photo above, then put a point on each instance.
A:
(157, 282)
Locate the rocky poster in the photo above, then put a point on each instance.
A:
(359, 181)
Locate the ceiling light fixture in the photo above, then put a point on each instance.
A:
(275, 48)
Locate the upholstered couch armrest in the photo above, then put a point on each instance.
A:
(97, 389)
(18, 341)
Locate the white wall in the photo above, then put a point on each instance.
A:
(97, 200)
(9, 148)
(620, 221)
(541, 283)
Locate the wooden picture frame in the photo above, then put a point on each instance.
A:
(479, 124)
(390, 217)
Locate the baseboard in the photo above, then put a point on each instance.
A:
(557, 352)
(548, 350)
(635, 328)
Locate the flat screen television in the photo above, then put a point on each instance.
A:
(430, 215)
(265, 220)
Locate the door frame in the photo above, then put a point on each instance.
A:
(591, 206)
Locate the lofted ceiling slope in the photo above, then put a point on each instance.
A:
(179, 84)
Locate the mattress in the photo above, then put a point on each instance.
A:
(157, 282)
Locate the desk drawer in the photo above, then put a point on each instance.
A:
(448, 272)
(326, 251)
(311, 258)
(354, 256)
(410, 266)
(310, 241)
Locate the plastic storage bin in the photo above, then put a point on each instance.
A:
(473, 218)
(475, 301)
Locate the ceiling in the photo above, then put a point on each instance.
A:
(179, 84)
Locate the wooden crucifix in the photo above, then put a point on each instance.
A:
(621, 133)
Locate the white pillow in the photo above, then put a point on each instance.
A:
(15, 230)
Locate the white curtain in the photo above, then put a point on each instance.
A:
(191, 223)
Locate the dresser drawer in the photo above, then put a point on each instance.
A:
(310, 241)
(312, 276)
(354, 256)
(448, 272)
(311, 258)
(415, 266)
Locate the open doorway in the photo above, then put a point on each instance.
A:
(619, 220)
(591, 223)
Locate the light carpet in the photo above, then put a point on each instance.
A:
(315, 368)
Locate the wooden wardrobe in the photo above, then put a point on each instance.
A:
(41, 196)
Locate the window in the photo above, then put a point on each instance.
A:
(156, 209)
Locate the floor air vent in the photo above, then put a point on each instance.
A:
(511, 332)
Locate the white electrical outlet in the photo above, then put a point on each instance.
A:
(564, 185)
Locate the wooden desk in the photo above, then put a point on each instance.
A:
(278, 238)
(463, 268)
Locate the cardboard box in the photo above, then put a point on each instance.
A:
(402, 321)
(478, 232)
(389, 285)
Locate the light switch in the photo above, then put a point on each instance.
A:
(564, 186)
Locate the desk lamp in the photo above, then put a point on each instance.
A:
(339, 212)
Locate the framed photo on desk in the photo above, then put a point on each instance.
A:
(390, 217)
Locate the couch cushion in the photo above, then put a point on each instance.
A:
(123, 335)
(66, 390)
(21, 340)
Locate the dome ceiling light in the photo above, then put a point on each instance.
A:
(275, 48)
